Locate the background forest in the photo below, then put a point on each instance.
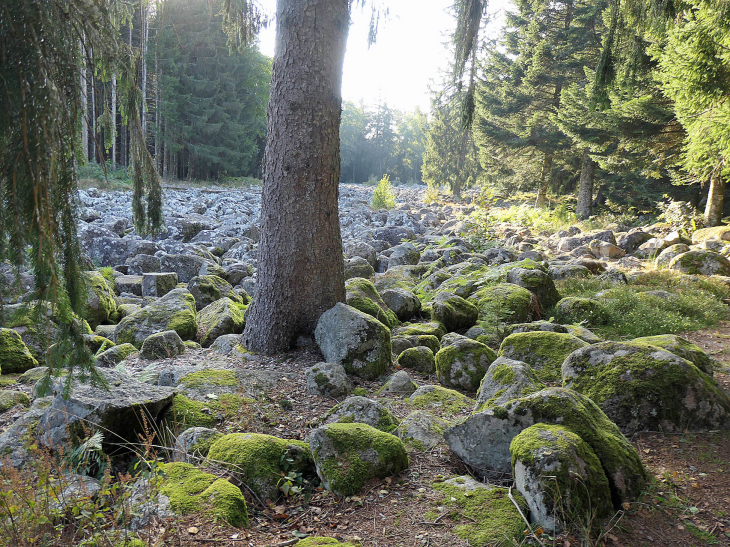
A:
(592, 102)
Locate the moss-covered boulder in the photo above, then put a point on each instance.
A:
(419, 358)
(193, 444)
(679, 346)
(453, 311)
(504, 303)
(9, 399)
(463, 364)
(328, 380)
(354, 339)
(191, 490)
(402, 342)
(162, 345)
(421, 329)
(222, 317)
(440, 400)
(257, 460)
(403, 302)
(421, 431)
(210, 412)
(206, 289)
(505, 380)
(538, 283)
(489, 518)
(643, 387)
(100, 303)
(543, 351)
(114, 355)
(716, 232)
(700, 262)
(583, 333)
(96, 343)
(174, 311)
(534, 326)
(483, 439)
(362, 295)
(362, 410)
(358, 267)
(347, 456)
(14, 354)
(666, 256)
(560, 477)
(573, 309)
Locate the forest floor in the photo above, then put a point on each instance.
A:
(686, 504)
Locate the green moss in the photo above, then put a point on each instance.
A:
(360, 391)
(504, 374)
(186, 412)
(209, 378)
(362, 295)
(504, 302)
(678, 346)
(543, 351)
(321, 379)
(582, 416)
(492, 519)
(642, 386)
(257, 459)
(463, 364)
(573, 309)
(8, 399)
(577, 490)
(100, 304)
(191, 490)
(441, 400)
(14, 355)
(7, 380)
(424, 329)
(355, 445)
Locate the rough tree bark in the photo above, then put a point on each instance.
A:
(300, 267)
(547, 165)
(715, 200)
(585, 188)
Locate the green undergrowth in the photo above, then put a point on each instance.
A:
(693, 303)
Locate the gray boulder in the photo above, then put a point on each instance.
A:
(453, 312)
(174, 311)
(403, 302)
(354, 339)
(162, 345)
(220, 318)
(362, 410)
(335, 447)
(116, 412)
(206, 289)
(505, 380)
(158, 283)
(400, 384)
(421, 430)
(328, 380)
(700, 262)
(193, 444)
(463, 364)
(483, 439)
(358, 267)
(186, 266)
(643, 387)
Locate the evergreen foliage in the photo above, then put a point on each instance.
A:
(213, 100)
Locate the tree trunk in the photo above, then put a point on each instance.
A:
(585, 189)
(84, 106)
(715, 200)
(143, 36)
(547, 165)
(300, 267)
(94, 155)
(114, 122)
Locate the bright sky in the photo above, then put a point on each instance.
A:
(409, 54)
